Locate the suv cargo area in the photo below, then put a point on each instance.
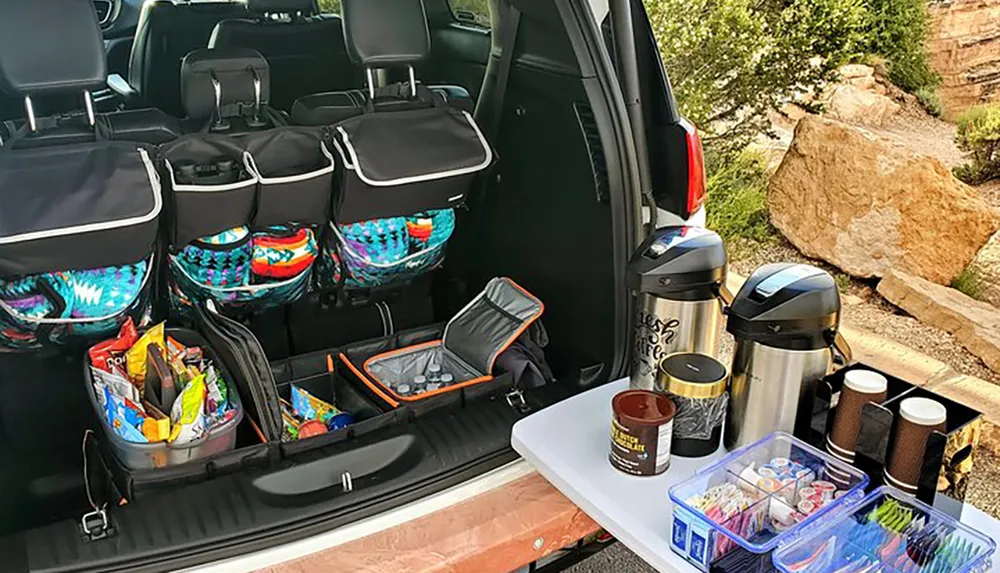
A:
(551, 213)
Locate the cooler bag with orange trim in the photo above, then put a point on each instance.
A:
(466, 352)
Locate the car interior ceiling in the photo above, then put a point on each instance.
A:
(539, 220)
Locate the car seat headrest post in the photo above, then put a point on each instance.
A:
(256, 94)
(371, 83)
(29, 109)
(219, 124)
(88, 104)
(413, 82)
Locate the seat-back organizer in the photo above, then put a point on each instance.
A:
(78, 222)
(250, 195)
(404, 164)
(462, 359)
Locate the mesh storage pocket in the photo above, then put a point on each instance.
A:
(78, 227)
(60, 307)
(385, 252)
(294, 169)
(212, 188)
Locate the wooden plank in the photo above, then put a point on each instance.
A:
(495, 532)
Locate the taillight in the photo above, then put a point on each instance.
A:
(696, 168)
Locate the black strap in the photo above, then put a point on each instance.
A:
(510, 20)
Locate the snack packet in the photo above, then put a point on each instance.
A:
(136, 356)
(187, 417)
(112, 352)
(156, 426)
(290, 422)
(125, 417)
(217, 402)
(309, 407)
(116, 381)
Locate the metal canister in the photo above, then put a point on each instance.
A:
(785, 321)
(696, 384)
(679, 275)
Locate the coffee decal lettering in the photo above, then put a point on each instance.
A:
(652, 339)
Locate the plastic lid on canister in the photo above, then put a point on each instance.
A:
(644, 407)
(923, 411)
(678, 263)
(692, 375)
(865, 381)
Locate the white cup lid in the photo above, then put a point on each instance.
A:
(865, 381)
(923, 411)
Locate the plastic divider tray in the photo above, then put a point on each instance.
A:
(891, 532)
(758, 497)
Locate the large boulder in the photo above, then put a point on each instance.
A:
(855, 102)
(975, 324)
(986, 269)
(868, 205)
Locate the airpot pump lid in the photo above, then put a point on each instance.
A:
(787, 305)
(685, 263)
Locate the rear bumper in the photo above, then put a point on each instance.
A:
(498, 522)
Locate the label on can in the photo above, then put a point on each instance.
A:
(641, 450)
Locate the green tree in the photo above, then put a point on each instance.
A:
(897, 30)
(732, 61)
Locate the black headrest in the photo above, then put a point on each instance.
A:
(380, 33)
(50, 46)
(282, 6)
(235, 69)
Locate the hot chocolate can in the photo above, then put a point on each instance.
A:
(641, 432)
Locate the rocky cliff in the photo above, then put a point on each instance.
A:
(964, 47)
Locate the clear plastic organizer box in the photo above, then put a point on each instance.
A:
(759, 497)
(891, 532)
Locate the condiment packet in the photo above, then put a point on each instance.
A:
(136, 356)
(188, 414)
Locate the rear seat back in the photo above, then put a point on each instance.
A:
(168, 31)
(405, 158)
(333, 107)
(79, 215)
(250, 194)
(306, 51)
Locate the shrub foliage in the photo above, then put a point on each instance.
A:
(979, 136)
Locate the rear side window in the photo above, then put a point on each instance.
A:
(329, 6)
(475, 12)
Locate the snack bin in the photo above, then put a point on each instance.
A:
(757, 498)
(892, 532)
(142, 456)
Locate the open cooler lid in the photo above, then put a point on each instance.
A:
(787, 305)
(439, 143)
(482, 330)
(675, 261)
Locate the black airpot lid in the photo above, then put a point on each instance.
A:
(678, 260)
(787, 305)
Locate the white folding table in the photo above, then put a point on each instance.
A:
(568, 444)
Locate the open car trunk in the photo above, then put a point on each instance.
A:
(556, 218)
